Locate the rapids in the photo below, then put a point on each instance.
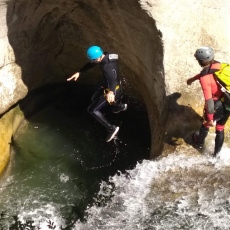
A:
(175, 192)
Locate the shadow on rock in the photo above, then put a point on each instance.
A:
(182, 122)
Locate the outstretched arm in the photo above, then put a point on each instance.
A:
(74, 77)
(192, 79)
(86, 67)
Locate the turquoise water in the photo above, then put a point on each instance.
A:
(61, 157)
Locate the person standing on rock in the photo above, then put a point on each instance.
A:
(214, 110)
(110, 91)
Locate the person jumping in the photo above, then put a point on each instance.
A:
(110, 90)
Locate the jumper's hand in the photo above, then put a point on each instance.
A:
(74, 77)
(110, 97)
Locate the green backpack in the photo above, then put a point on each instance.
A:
(223, 79)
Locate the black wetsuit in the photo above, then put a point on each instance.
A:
(110, 82)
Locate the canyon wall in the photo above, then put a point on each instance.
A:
(44, 42)
(186, 26)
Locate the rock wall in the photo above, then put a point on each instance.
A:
(12, 88)
(185, 26)
(44, 42)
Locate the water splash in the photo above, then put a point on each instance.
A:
(42, 215)
(176, 192)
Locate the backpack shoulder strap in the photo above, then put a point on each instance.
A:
(214, 67)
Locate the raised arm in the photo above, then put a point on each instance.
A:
(74, 77)
(192, 79)
(88, 65)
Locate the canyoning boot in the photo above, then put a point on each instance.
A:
(219, 140)
(198, 146)
(112, 133)
(120, 108)
(199, 138)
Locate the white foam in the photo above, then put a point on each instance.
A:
(64, 178)
(42, 215)
(201, 195)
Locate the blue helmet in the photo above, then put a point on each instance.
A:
(94, 52)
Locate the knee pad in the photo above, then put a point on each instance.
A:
(219, 127)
